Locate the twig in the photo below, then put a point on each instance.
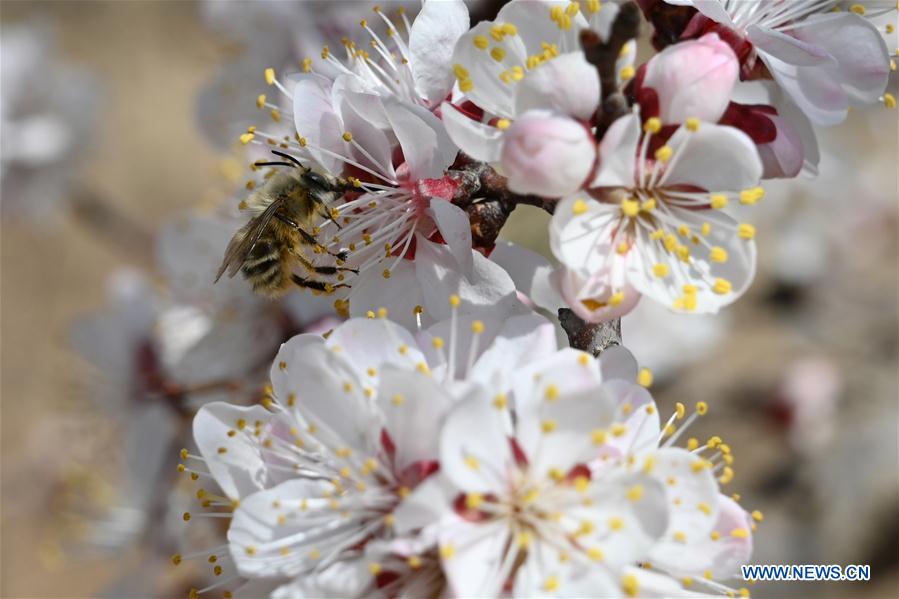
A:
(604, 55)
(592, 338)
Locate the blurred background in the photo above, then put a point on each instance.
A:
(119, 177)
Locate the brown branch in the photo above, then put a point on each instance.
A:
(484, 195)
(588, 337)
(603, 55)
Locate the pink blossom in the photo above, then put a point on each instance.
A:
(692, 79)
(547, 154)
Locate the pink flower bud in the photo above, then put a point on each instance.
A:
(693, 79)
(547, 155)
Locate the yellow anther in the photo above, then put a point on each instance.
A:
(627, 73)
(746, 231)
(473, 500)
(616, 298)
(447, 551)
(660, 270)
(699, 465)
(414, 562)
(472, 462)
(460, 72)
(500, 401)
(347, 136)
(269, 76)
(594, 6)
(680, 410)
(663, 154)
(630, 208)
(374, 568)
(635, 493)
(718, 254)
(551, 585)
(523, 539)
(889, 100)
(644, 377)
(752, 196)
(370, 314)
(466, 86)
(397, 400)
(653, 125)
(246, 138)
(680, 536)
(857, 9)
(503, 124)
(260, 101)
(739, 533)
(622, 248)
(718, 201)
(649, 205)
(497, 54)
(551, 393)
(548, 426)
(618, 429)
(702, 408)
(629, 585)
(705, 508)
(579, 207)
(727, 475)
(454, 301)
(692, 124)
(692, 443)
(757, 516)
(437, 342)
(705, 229)
(250, 550)
(722, 286)
(497, 33)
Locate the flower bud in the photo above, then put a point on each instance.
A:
(547, 155)
(693, 79)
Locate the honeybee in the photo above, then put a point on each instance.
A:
(281, 235)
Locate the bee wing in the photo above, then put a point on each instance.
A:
(245, 240)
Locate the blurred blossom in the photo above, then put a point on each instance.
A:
(807, 398)
(48, 111)
(271, 34)
(160, 351)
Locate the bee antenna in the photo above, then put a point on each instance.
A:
(272, 164)
(288, 157)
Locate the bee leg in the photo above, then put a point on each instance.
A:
(333, 270)
(315, 285)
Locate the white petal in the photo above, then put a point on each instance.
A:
(693, 513)
(474, 450)
(414, 406)
(581, 231)
(435, 31)
(327, 391)
(481, 142)
(368, 343)
(400, 294)
(737, 165)
(474, 569)
(316, 120)
(376, 150)
(574, 417)
(862, 57)
(567, 84)
(268, 521)
(452, 222)
(241, 469)
(617, 362)
(787, 48)
(521, 340)
(702, 272)
(427, 148)
(565, 373)
(618, 152)
(531, 273)
(483, 290)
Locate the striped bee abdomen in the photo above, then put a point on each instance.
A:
(264, 267)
